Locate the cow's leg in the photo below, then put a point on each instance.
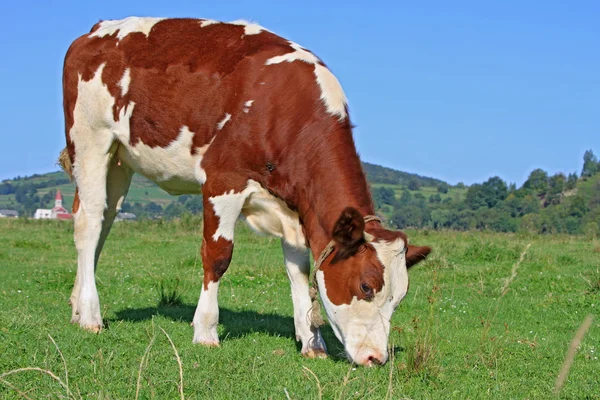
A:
(117, 184)
(220, 215)
(297, 263)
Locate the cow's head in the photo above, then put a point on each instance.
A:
(362, 283)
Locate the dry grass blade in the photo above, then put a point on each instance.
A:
(64, 363)
(317, 380)
(43, 371)
(493, 311)
(139, 378)
(10, 385)
(389, 394)
(564, 371)
(178, 362)
(513, 272)
(346, 380)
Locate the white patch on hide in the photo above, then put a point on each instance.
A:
(93, 123)
(206, 22)
(199, 172)
(124, 82)
(395, 274)
(247, 106)
(206, 317)
(228, 207)
(332, 93)
(265, 213)
(300, 53)
(297, 263)
(174, 168)
(250, 28)
(222, 122)
(125, 27)
(269, 215)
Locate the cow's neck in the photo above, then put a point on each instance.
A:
(337, 182)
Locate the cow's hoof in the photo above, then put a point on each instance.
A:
(206, 343)
(94, 328)
(315, 353)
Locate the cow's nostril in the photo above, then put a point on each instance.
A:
(374, 360)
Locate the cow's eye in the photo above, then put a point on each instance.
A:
(367, 290)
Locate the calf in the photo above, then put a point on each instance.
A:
(261, 126)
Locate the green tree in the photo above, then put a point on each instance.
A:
(405, 198)
(153, 209)
(590, 164)
(413, 184)
(578, 207)
(419, 200)
(383, 195)
(571, 181)
(173, 210)
(530, 204)
(410, 216)
(435, 198)
(475, 197)
(537, 181)
(495, 190)
(556, 185)
(194, 204)
(440, 218)
(442, 188)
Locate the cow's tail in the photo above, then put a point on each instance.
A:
(64, 161)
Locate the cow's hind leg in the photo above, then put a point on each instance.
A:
(297, 263)
(101, 187)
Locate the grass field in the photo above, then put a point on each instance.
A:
(454, 336)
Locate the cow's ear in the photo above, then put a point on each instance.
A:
(416, 254)
(348, 233)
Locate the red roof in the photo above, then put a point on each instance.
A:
(60, 209)
(58, 195)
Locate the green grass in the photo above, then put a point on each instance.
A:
(453, 336)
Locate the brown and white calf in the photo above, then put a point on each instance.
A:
(262, 126)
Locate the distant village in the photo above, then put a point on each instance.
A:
(57, 212)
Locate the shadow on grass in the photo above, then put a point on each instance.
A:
(236, 324)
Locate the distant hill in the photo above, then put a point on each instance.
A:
(378, 174)
(26, 194)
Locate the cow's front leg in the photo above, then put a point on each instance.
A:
(297, 263)
(220, 215)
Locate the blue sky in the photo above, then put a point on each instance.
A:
(459, 90)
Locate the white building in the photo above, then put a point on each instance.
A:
(9, 214)
(58, 212)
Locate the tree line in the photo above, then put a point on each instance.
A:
(545, 204)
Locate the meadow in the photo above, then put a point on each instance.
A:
(488, 315)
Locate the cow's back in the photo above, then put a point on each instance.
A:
(183, 96)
